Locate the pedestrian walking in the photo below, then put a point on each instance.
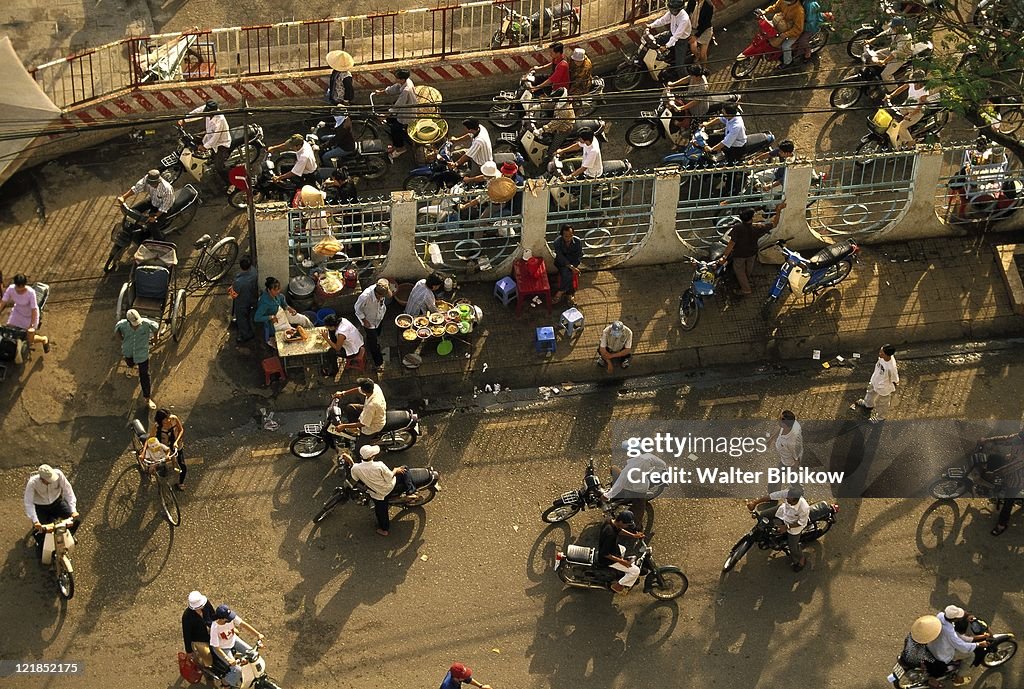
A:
(883, 383)
(459, 674)
(789, 441)
(136, 333)
(370, 309)
(244, 292)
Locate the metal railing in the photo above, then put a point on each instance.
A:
(611, 215)
(976, 189)
(303, 46)
(363, 229)
(859, 195)
(465, 231)
(709, 201)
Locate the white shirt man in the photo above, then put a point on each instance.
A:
(949, 645)
(592, 163)
(885, 376)
(634, 477)
(421, 299)
(789, 443)
(353, 338)
(678, 25)
(370, 306)
(305, 161)
(376, 475)
(735, 132)
(795, 517)
(218, 133)
(884, 380)
(161, 194)
(44, 488)
(374, 414)
(480, 150)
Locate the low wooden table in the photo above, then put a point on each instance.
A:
(310, 354)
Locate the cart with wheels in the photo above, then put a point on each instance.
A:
(151, 288)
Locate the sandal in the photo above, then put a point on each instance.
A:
(961, 681)
(998, 529)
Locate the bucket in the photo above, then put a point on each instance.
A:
(300, 292)
(402, 293)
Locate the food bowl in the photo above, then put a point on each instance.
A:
(452, 329)
(403, 321)
(465, 327)
(442, 305)
(437, 330)
(421, 321)
(436, 318)
(465, 310)
(423, 333)
(409, 335)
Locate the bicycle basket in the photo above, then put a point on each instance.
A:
(313, 428)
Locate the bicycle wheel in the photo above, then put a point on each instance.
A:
(169, 502)
(218, 260)
(178, 315)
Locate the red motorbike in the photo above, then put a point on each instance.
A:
(761, 48)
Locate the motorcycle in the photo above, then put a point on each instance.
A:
(370, 159)
(135, 228)
(517, 29)
(576, 567)
(706, 276)
(882, 127)
(923, 13)
(510, 107)
(765, 536)
(58, 544)
(425, 480)
(434, 176)
(532, 144)
(646, 59)
(401, 429)
(825, 269)
(14, 339)
(761, 48)
(564, 194)
(254, 667)
(985, 191)
(972, 479)
(591, 497)
(264, 188)
(651, 126)
(866, 80)
(185, 158)
(1001, 648)
(694, 155)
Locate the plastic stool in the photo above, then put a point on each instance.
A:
(272, 365)
(545, 341)
(571, 322)
(356, 362)
(505, 290)
(322, 315)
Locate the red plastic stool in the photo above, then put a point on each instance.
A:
(356, 362)
(272, 365)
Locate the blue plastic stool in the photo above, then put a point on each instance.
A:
(545, 341)
(505, 290)
(322, 315)
(571, 322)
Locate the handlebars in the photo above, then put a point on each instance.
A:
(65, 523)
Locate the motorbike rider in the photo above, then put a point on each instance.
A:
(766, 180)
(898, 53)
(591, 166)
(382, 483)
(196, 621)
(1004, 466)
(611, 554)
(790, 519)
(949, 647)
(161, 198)
(479, 151)
(629, 483)
(918, 99)
(735, 139)
(559, 77)
(304, 170)
(367, 418)
(581, 73)
(217, 139)
(24, 312)
(341, 187)
(225, 643)
(561, 123)
(695, 104)
(340, 139)
(402, 113)
(49, 497)
(788, 19)
(701, 14)
(679, 42)
(813, 19)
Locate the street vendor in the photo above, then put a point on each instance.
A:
(422, 299)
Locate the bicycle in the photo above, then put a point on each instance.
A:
(160, 469)
(213, 263)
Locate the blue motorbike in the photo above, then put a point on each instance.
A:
(825, 269)
(706, 276)
(435, 176)
(694, 155)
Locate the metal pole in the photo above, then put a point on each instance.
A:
(249, 209)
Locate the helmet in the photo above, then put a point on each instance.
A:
(675, 6)
(898, 22)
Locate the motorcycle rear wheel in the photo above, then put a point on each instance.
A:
(869, 147)
(676, 584)
(376, 167)
(397, 441)
(855, 46)
(497, 39)
(172, 173)
(845, 97)
(66, 585)
(819, 41)
(689, 311)
(1000, 653)
(239, 200)
(420, 185)
(642, 134)
(833, 276)
(737, 552)
(331, 503)
(308, 446)
(742, 69)
(559, 513)
(627, 77)
(948, 488)
(821, 527)
(423, 496)
(266, 682)
(503, 114)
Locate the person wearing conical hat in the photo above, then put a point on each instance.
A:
(341, 90)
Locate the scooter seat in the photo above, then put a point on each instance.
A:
(500, 158)
(832, 254)
(615, 167)
(182, 198)
(394, 420)
(561, 11)
(593, 125)
(238, 135)
(420, 476)
(819, 510)
(368, 146)
(717, 251)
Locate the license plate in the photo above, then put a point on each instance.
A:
(168, 161)
(507, 95)
(558, 562)
(898, 671)
(649, 115)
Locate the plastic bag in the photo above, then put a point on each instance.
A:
(328, 246)
(190, 672)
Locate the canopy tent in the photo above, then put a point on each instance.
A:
(25, 110)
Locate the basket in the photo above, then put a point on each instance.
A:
(881, 119)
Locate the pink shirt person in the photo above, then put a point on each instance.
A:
(24, 309)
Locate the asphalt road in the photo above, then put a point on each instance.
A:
(468, 578)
